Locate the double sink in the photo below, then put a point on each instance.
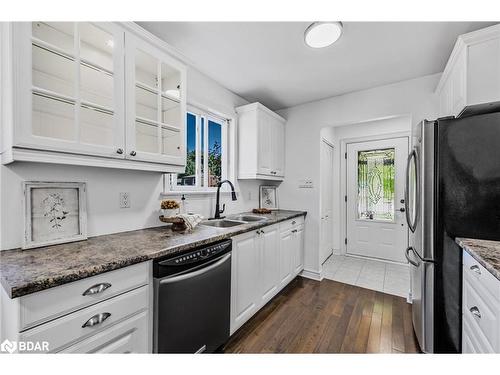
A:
(233, 221)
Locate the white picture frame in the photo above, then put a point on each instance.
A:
(268, 197)
(54, 213)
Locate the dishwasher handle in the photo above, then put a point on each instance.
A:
(200, 271)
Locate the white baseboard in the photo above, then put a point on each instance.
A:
(313, 275)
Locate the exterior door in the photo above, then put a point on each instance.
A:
(376, 220)
(326, 201)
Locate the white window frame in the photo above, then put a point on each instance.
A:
(170, 181)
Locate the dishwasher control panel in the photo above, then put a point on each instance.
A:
(197, 255)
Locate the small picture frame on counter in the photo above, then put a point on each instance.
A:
(54, 213)
(268, 197)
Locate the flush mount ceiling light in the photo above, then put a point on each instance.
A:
(322, 34)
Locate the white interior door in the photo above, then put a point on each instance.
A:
(326, 201)
(376, 225)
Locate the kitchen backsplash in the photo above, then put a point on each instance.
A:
(103, 188)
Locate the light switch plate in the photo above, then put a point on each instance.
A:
(306, 183)
(125, 200)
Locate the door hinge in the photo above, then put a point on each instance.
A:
(345, 240)
(345, 198)
(345, 155)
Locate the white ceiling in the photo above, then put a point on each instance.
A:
(269, 62)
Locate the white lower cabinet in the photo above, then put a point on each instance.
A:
(107, 313)
(286, 254)
(244, 278)
(129, 336)
(269, 259)
(263, 262)
(480, 309)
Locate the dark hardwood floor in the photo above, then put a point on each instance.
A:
(328, 317)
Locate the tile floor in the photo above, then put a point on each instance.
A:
(384, 277)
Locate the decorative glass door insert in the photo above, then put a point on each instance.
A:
(376, 184)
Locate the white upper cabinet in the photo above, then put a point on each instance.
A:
(69, 87)
(261, 135)
(156, 104)
(91, 94)
(470, 83)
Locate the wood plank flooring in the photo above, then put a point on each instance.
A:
(328, 317)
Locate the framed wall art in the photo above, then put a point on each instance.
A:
(55, 212)
(268, 197)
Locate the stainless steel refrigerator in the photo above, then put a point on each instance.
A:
(452, 190)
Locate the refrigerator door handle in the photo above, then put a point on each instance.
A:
(420, 259)
(412, 225)
(408, 258)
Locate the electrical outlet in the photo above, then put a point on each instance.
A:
(124, 200)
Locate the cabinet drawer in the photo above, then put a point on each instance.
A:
(129, 336)
(480, 277)
(481, 314)
(52, 303)
(291, 224)
(64, 331)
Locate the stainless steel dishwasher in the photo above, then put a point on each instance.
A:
(193, 300)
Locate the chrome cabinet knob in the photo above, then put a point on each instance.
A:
(119, 151)
(475, 311)
(402, 209)
(133, 153)
(96, 319)
(476, 269)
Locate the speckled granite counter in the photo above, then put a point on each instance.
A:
(27, 271)
(487, 253)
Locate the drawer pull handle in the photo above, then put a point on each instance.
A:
(476, 269)
(95, 289)
(96, 319)
(475, 311)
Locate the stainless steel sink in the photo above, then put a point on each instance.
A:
(222, 223)
(247, 218)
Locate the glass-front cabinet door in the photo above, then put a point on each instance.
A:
(71, 76)
(156, 104)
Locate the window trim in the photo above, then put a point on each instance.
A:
(227, 128)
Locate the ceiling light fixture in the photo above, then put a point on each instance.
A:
(322, 34)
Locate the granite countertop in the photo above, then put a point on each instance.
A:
(27, 271)
(487, 253)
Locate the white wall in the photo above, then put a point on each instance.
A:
(104, 185)
(414, 98)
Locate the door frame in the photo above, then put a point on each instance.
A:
(329, 144)
(343, 177)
